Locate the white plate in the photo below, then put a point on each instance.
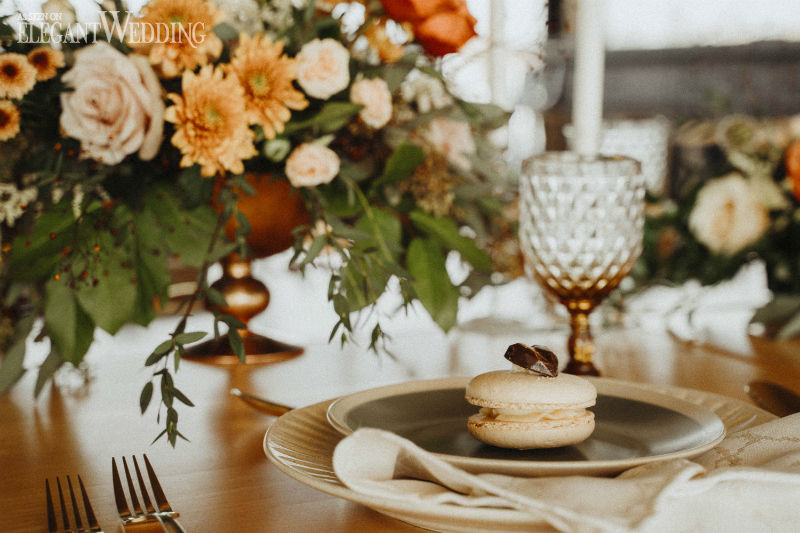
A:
(301, 443)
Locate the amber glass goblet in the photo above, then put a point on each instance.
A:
(581, 226)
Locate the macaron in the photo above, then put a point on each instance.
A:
(524, 409)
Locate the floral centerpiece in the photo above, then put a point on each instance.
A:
(117, 137)
(735, 199)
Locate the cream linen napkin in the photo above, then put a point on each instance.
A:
(750, 482)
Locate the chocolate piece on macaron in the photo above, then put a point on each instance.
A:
(535, 358)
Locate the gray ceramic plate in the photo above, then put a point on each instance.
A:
(634, 425)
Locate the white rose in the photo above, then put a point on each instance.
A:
(453, 139)
(323, 68)
(376, 98)
(727, 216)
(116, 106)
(311, 164)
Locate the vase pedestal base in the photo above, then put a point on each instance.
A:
(258, 350)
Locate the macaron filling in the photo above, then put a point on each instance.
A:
(515, 415)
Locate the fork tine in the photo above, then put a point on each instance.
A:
(64, 517)
(74, 501)
(91, 520)
(119, 494)
(137, 509)
(52, 526)
(148, 505)
(158, 492)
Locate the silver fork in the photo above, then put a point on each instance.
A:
(164, 514)
(52, 525)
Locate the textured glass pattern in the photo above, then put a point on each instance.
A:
(581, 223)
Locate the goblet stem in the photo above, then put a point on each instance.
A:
(580, 345)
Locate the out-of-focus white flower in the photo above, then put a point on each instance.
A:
(426, 91)
(727, 215)
(323, 68)
(115, 108)
(13, 201)
(311, 164)
(376, 98)
(244, 15)
(453, 138)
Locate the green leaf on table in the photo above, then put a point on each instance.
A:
(401, 164)
(70, 328)
(11, 364)
(431, 282)
(780, 309)
(446, 232)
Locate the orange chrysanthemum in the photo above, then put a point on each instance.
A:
(191, 41)
(17, 76)
(9, 120)
(211, 122)
(266, 75)
(46, 61)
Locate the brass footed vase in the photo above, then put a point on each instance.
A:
(273, 212)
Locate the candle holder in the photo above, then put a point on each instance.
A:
(581, 228)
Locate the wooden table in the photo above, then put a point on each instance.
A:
(221, 480)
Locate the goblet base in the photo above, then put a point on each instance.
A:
(581, 368)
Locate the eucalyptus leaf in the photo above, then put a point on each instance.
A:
(189, 337)
(236, 344)
(146, 396)
(791, 329)
(431, 282)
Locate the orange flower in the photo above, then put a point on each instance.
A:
(191, 41)
(441, 26)
(46, 61)
(211, 122)
(445, 33)
(9, 120)
(415, 11)
(266, 75)
(792, 160)
(17, 76)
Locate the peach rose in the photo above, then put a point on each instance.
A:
(453, 139)
(727, 216)
(376, 98)
(311, 164)
(323, 68)
(115, 108)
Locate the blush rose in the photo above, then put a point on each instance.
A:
(323, 68)
(376, 98)
(116, 106)
(311, 164)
